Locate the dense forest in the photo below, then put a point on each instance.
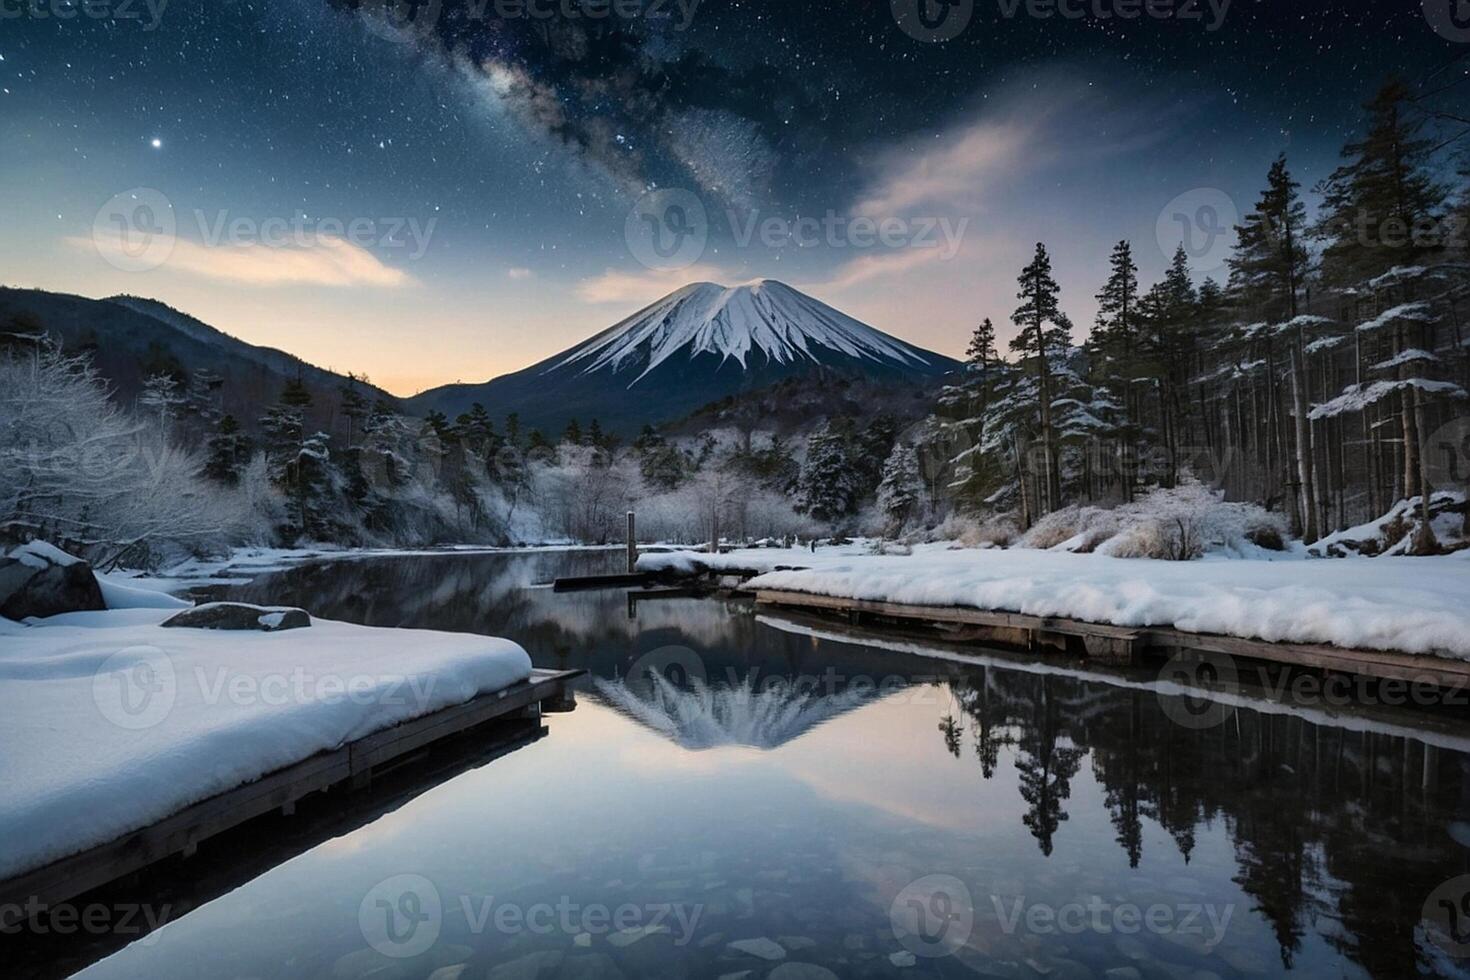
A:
(1323, 384)
(1321, 380)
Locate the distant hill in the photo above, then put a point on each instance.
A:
(131, 337)
(698, 345)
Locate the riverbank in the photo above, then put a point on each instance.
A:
(1403, 605)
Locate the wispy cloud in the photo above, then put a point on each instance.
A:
(321, 261)
(645, 285)
(519, 272)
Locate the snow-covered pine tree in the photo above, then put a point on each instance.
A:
(229, 451)
(1043, 327)
(163, 396)
(828, 489)
(1267, 271)
(902, 488)
(353, 405)
(1114, 347)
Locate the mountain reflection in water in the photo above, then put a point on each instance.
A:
(705, 717)
(1324, 830)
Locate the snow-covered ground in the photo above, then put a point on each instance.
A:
(1414, 605)
(110, 722)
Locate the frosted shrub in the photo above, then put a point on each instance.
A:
(1091, 524)
(1184, 522)
(997, 531)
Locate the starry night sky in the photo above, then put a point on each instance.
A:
(519, 147)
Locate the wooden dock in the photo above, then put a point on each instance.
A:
(1124, 645)
(354, 764)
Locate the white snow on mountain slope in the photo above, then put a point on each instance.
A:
(764, 315)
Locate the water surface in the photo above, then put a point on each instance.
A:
(815, 799)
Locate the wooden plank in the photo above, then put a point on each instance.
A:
(181, 832)
(1382, 664)
(577, 583)
(947, 614)
(674, 592)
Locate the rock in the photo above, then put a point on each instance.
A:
(454, 972)
(583, 939)
(793, 943)
(801, 971)
(593, 966)
(903, 958)
(527, 967)
(1123, 973)
(240, 616)
(627, 937)
(766, 949)
(39, 580)
(1131, 948)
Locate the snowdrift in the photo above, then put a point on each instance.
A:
(109, 723)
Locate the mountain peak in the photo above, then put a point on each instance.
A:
(783, 324)
(703, 342)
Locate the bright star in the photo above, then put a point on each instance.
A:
(157, 143)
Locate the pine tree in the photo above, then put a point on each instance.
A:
(901, 489)
(354, 404)
(981, 352)
(1115, 345)
(1377, 204)
(1376, 208)
(1043, 327)
(229, 450)
(297, 462)
(163, 395)
(828, 489)
(573, 433)
(1114, 335)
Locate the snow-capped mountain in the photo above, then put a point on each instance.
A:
(698, 344)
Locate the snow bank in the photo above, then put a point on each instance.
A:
(122, 592)
(1414, 605)
(109, 723)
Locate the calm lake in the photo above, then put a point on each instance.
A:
(793, 798)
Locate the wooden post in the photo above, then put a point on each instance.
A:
(632, 545)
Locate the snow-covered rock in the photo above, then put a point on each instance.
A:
(38, 579)
(239, 616)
